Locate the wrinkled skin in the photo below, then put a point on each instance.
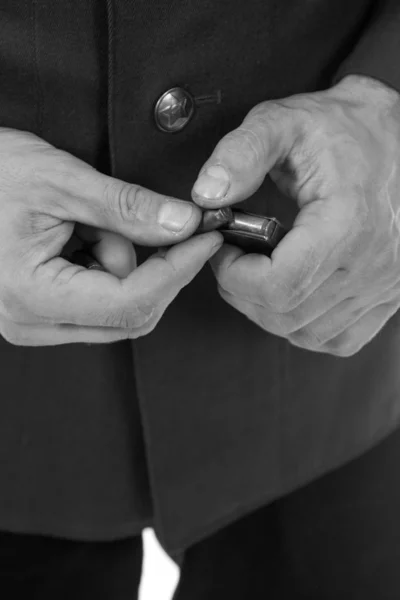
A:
(334, 280)
(46, 197)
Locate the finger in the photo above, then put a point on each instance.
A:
(87, 196)
(354, 338)
(329, 325)
(238, 273)
(350, 338)
(320, 318)
(55, 335)
(66, 293)
(339, 318)
(310, 253)
(333, 294)
(113, 251)
(341, 293)
(245, 276)
(242, 159)
(252, 311)
(321, 241)
(310, 337)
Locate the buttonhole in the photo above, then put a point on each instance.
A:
(214, 98)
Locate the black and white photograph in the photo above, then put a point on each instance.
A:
(200, 299)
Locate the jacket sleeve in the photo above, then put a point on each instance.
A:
(377, 53)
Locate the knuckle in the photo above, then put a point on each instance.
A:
(224, 286)
(7, 305)
(116, 320)
(276, 323)
(13, 306)
(299, 342)
(306, 338)
(130, 202)
(269, 323)
(286, 324)
(258, 111)
(343, 349)
(271, 112)
(131, 318)
(141, 316)
(146, 328)
(344, 352)
(277, 299)
(283, 304)
(224, 294)
(12, 333)
(285, 294)
(244, 147)
(36, 223)
(315, 123)
(312, 114)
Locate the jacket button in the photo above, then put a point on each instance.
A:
(174, 110)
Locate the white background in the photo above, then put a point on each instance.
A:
(160, 574)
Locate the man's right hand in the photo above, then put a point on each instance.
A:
(46, 300)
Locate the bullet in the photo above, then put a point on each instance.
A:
(213, 219)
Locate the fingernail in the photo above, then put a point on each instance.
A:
(213, 184)
(174, 215)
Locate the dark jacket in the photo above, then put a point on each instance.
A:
(233, 417)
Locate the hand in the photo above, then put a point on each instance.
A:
(334, 280)
(46, 300)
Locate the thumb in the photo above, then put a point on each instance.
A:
(242, 159)
(140, 215)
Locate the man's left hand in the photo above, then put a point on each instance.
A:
(334, 280)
